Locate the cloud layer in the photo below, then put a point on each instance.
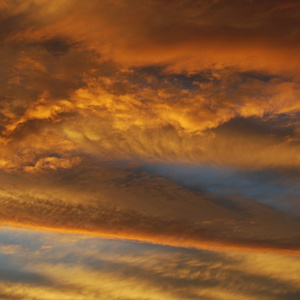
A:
(91, 91)
(71, 266)
(126, 202)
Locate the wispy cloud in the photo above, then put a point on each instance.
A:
(79, 267)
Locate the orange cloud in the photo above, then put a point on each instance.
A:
(78, 267)
(203, 82)
(146, 86)
(171, 124)
(195, 35)
(118, 203)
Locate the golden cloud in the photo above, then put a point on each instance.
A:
(203, 82)
(117, 203)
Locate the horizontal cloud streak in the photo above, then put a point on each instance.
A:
(73, 266)
(128, 203)
(248, 33)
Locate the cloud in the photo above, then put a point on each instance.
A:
(87, 86)
(195, 34)
(171, 121)
(108, 200)
(87, 267)
(52, 163)
(221, 184)
(146, 86)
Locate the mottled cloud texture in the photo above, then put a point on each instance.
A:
(168, 122)
(120, 79)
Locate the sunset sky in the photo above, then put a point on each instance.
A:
(150, 149)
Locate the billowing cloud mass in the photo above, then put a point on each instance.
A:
(121, 80)
(166, 122)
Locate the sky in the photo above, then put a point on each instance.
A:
(149, 149)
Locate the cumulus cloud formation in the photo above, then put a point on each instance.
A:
(120, 80)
